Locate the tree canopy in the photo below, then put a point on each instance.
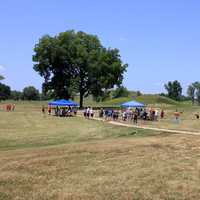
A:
(76, 62)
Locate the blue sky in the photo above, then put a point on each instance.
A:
(159, 39)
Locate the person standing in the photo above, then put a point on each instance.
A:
(49, 110)
(13, 107)
(156, 115)
(135, 117)
(91, 113)
(177, 115)
(101, 113)
(162, 114)
(43, 110)
(88, 112)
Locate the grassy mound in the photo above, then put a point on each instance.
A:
(146, 99)
(155, 99)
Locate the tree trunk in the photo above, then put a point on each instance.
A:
(81, 99)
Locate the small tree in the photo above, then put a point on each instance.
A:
(174, 90)
(30, 93)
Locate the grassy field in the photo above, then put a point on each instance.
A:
(56, 158)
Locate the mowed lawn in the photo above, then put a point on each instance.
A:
(56, 158)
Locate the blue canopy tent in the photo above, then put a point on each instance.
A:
(133, 104)
(63, 102)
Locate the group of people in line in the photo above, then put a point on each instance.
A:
(66, 111)
(131, 114)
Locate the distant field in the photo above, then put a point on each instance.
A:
(58, 158)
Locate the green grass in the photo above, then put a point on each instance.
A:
(156, 99)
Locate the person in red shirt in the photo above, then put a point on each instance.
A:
(162, 114)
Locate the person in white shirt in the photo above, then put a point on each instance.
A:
(91, 113)
(88, 112)
(156, 115)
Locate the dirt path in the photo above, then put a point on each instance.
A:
(148, 128)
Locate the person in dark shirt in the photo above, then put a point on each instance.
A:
(135, 117)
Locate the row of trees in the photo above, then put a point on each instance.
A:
(28, 93)
(77, 63)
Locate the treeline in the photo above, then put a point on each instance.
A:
(28, 93)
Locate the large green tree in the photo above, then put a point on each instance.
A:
(77, 62)
(174, 90)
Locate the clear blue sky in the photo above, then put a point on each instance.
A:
(159, 39)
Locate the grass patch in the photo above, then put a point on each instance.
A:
(22, 129)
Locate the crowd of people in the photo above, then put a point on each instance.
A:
(131, 114)
(126, 114)
(66, 111)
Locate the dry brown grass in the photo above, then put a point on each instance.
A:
(157, 167)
